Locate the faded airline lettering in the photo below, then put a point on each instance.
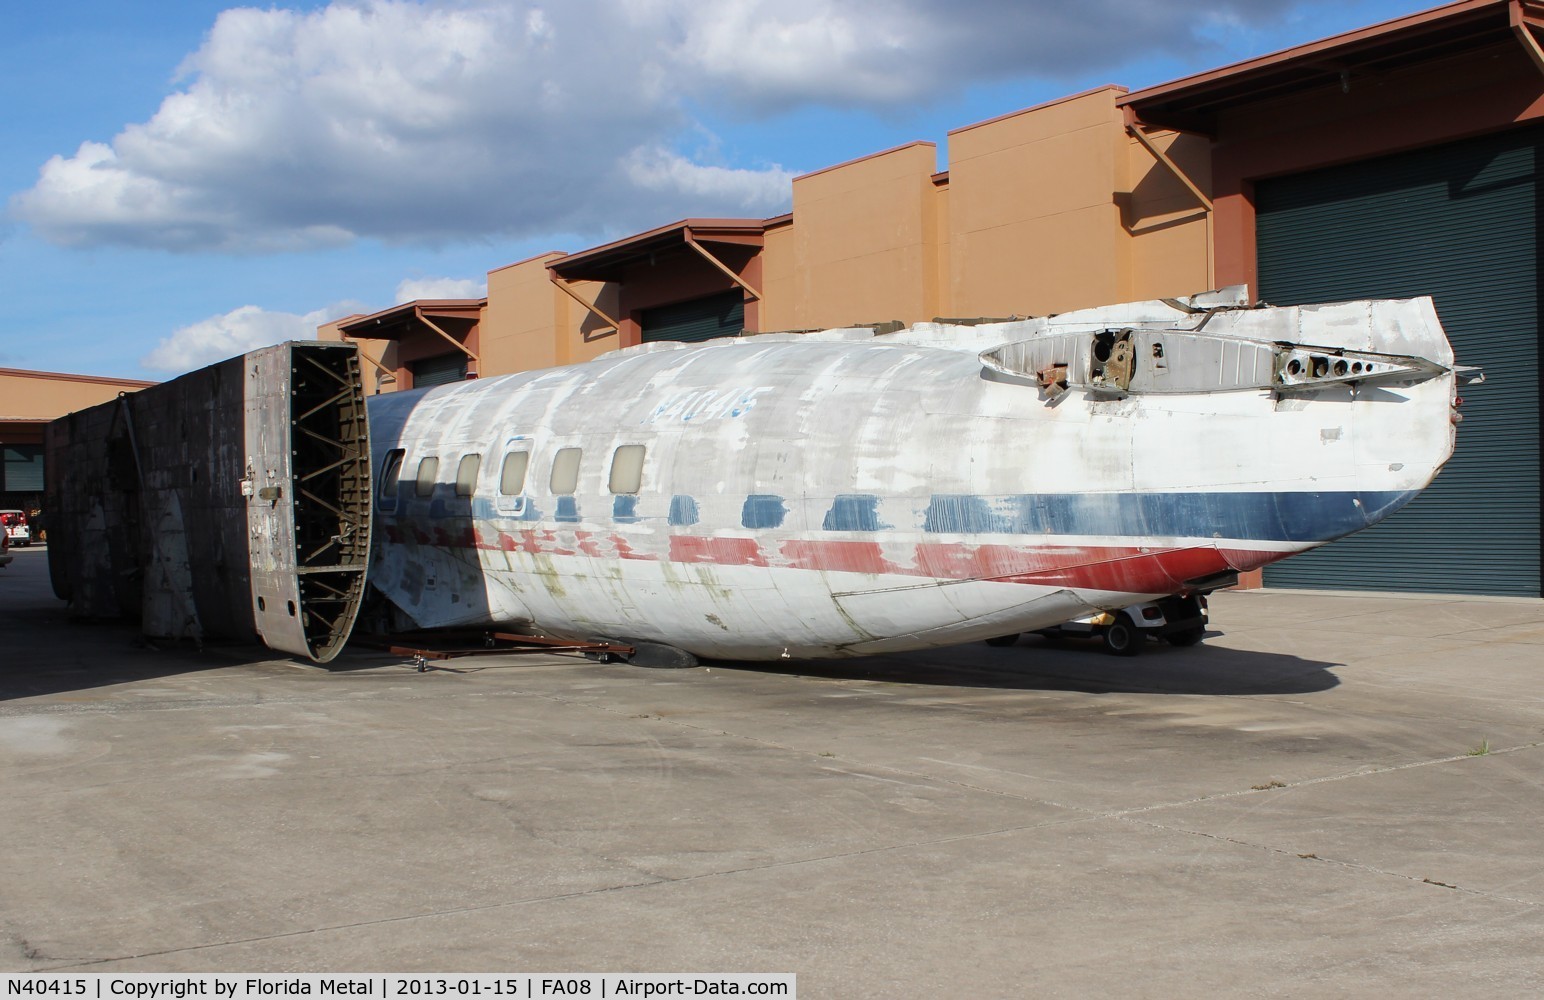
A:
(707, 404)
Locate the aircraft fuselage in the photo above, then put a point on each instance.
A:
(823, 496)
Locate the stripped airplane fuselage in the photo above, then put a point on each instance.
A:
(843, 494)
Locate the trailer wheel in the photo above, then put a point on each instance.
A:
(1122, 637)
(1003, 640)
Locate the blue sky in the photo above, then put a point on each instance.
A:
(185, 181)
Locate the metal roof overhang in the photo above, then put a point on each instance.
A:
(610, 261)
(410, 317)
(1192, 104)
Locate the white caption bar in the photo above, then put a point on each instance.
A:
(396, 986)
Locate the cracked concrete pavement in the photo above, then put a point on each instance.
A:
(1336, 795)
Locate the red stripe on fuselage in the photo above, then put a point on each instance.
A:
(1141, 572)
(837, 557)
(1119, 569)
(962, 561)
(719, 551)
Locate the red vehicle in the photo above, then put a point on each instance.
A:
(17, 530)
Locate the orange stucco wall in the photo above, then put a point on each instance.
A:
(1033, 211)
(44, 396)
(778, 260)
(29, 400)
(865, 242)
(1056, 208)
(521, 318)
(530, 323)
(1165, 228)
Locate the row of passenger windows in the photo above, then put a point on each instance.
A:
(626, 472)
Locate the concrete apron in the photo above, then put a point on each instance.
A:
(1336, 795)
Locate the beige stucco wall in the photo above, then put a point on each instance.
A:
(1057, 207)
(530, 323)
(581, 334)
(517, 327)
(779, 260)
(1052, 208)
(1034, 224)
(1168, 230)
(865, 238)
(44, 396)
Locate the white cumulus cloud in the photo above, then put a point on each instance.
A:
(394, 120)
(243, 329)
(409, 289)
(435, 121)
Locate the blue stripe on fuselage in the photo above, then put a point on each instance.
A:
(1282, 517)
(1275, 517)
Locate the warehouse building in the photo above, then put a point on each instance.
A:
(1402, 159)
(28, 401)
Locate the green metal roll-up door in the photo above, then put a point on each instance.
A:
(1459, 223)
(699, 319)
(441, 369)
(22, 471)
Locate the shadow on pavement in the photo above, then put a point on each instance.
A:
(42, 652)
(1040, 664)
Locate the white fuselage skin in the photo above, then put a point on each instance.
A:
(826, 495)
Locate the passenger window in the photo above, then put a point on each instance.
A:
(390, 470)
(565, 471)
(427, 470)
(627, 469)
(466, 475)
(512, 476)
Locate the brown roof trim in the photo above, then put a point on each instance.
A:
(870, 156)
(406, 312)
(590, 264)
(665, 230)
(1042, 106)
(1234, 76)
(133, 383)
(403, 310)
